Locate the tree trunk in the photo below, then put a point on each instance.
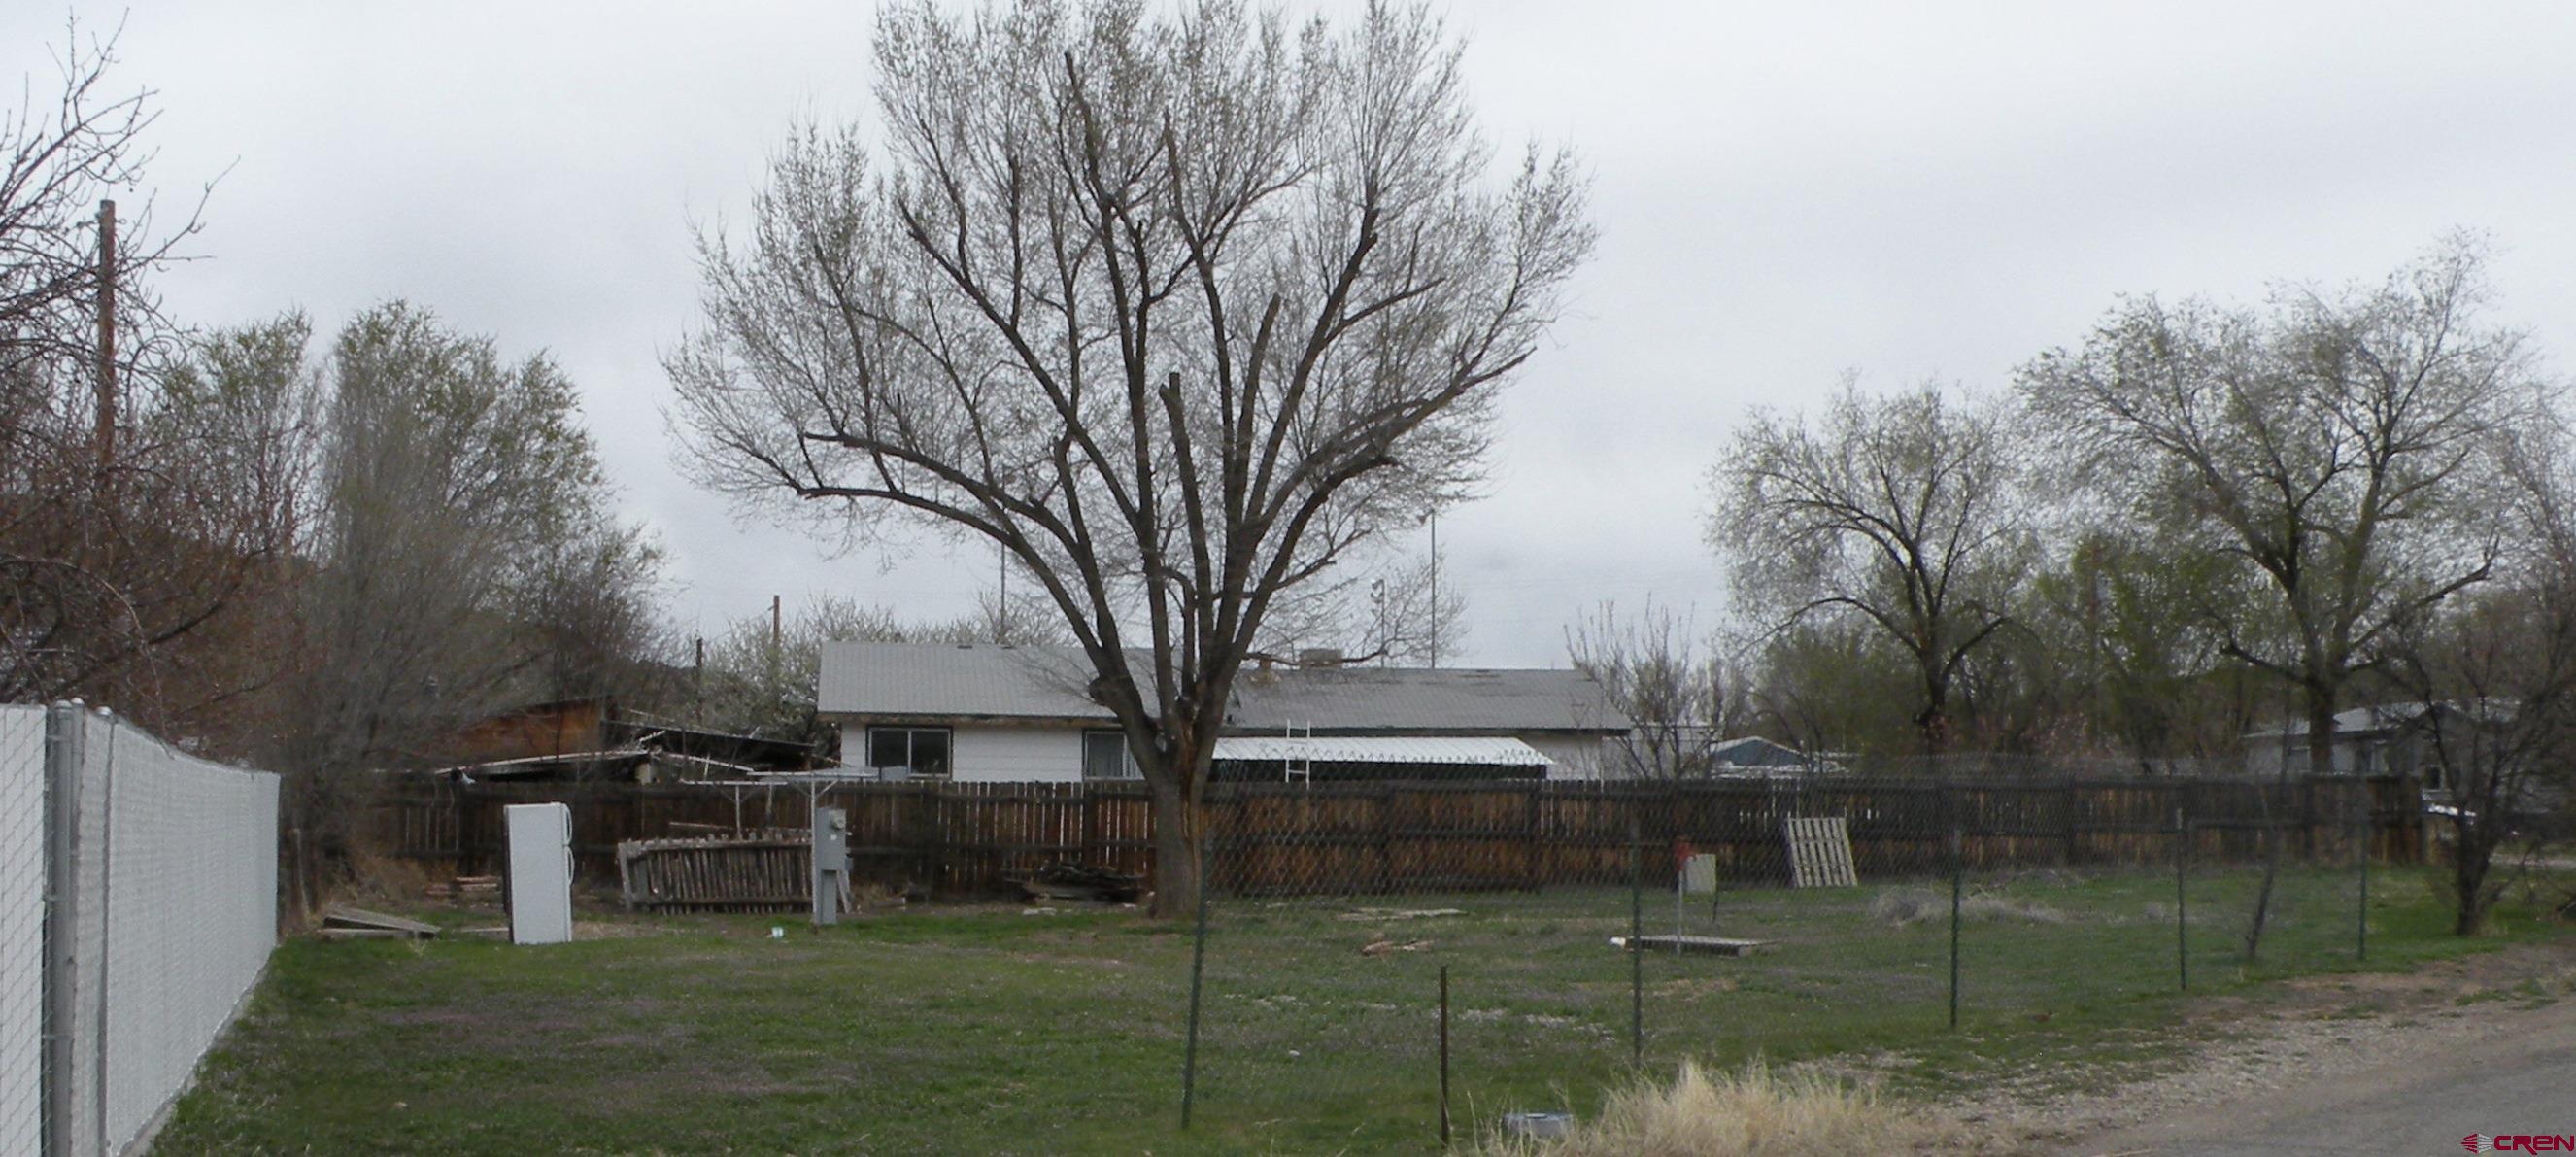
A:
(1180, 826)
(2321, 733)
(1935, 717)
(2473, 844)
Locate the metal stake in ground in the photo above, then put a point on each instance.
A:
(1957, 872)
(1198, 961)
(1444, 1056)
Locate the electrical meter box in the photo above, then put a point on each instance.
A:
(831, 864)
(1699, 874)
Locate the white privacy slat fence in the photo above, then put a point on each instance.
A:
(161, 870)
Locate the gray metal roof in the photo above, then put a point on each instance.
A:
(916, 680)
(1755, 751)
(1405, 698)
(975, 681)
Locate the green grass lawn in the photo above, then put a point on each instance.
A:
(986, 1030)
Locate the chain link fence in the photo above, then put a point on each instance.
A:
(1398, 965)
(138, 906)
(23, 1028)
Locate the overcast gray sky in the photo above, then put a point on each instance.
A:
(1784, 191)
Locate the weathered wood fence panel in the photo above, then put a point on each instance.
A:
(735, 875)
(972, 839)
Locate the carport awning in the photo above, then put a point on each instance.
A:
(1471, 751)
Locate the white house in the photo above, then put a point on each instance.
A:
(984, 713)
(2388, 739)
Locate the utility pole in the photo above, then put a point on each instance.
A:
(777, 656)
(1435, 587)
(105, 436)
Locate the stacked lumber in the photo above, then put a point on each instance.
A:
(465, 890)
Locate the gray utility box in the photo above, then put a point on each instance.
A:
(831, 864)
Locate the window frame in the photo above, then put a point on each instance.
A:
(1126, 759)
(911, 733)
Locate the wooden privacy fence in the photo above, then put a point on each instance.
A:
(971, 839)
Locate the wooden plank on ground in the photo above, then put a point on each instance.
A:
(344, 916)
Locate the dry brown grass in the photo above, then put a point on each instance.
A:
(1755, 1110)
(1903, 906)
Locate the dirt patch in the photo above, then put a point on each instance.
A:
(2305, 1030)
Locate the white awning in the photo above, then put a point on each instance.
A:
(1477, 751)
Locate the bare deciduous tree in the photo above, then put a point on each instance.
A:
(1175, 308)
(124, 529)
(1412, 617)
(2496, 682)
(1680, 696)
(2343, 447)
(1896, 512)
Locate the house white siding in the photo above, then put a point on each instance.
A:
(1570, 756)
(1000, 753)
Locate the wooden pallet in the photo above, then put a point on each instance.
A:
(1820, 854)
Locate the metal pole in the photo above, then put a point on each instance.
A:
(1957, 872)
(1678, 881)
(1444, 1056)
(1198, 961)
(1636, 951)
(63, 742)
(106, 913)
(1434, 629)
(2182, 899)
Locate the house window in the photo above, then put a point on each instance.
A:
(920, 750)
(1104, 756)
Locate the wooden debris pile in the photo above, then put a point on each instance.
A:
(465, 890)
(1069, 881)
(752, 875)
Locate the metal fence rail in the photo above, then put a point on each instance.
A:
(138, 905)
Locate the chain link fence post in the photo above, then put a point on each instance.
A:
(1198, 971)
(1958, 876)
(2361, 864)
(2182, 898)
(1636, 950)
(63, 742)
